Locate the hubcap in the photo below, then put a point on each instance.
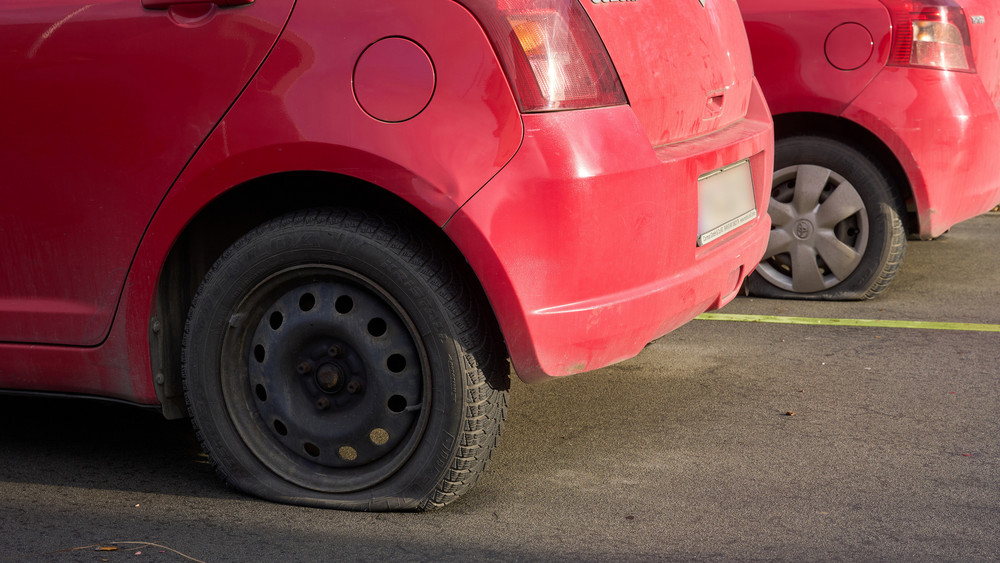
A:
(819, 230)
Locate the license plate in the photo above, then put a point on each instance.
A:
(725, 201)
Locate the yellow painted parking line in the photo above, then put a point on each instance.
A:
(926, 325)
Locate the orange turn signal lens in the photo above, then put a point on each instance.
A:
(530, 35)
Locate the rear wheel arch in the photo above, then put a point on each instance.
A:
(227, 218)
(861, 139)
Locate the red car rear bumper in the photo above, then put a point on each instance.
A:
(586, 244)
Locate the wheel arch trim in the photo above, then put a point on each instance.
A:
(138, 326)
(885, 150)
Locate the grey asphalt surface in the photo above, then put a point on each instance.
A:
(685, 452)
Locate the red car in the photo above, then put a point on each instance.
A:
(886, 125)
(320, 228)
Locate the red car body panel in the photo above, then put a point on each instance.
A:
(697, 84)
(941, 126)
(581, 230)
(951, 170)
(91, 96)
(788, 43)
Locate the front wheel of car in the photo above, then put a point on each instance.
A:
(836, 229)
(336, 358)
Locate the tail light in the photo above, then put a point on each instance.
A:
(551, 53)
(931, 34)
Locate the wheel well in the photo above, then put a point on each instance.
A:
(225, 220)
(846, 131)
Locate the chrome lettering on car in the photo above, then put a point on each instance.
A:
(979, 19)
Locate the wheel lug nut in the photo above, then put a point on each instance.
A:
(323, 403)
(304, 368)
(354, 386)
(334, 351)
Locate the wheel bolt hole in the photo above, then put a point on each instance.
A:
(311, 449)
(376, 327)
(344, 304)
(307, 301)
(276, 319)
(347, 453)
(261, 392)
(396, 363)
(280, 428)
(258, 353)
(397, 403)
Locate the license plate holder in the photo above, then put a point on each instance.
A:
(725, 201)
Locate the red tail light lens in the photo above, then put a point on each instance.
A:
(551, 53)
(931, 35)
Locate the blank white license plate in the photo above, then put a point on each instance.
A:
(725, 201)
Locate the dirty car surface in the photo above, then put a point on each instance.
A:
(321, 229)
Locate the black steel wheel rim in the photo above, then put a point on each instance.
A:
(325, 378)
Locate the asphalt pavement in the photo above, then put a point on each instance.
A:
(726, 440)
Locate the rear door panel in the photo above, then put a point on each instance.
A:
(103, 103)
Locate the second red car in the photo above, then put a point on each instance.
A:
(886, 125)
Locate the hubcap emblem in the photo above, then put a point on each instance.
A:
(803, 229)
